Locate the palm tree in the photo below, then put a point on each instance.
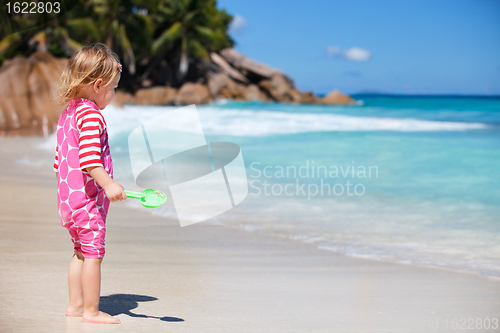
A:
(142, 32)
(197, 25)
(110, 18)
(22, 34)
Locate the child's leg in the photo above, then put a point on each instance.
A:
(75, 307)
(91, 286)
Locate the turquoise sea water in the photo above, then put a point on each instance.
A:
(425, 188)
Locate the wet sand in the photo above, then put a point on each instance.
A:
(159, 277)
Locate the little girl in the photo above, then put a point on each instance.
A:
(84, 169)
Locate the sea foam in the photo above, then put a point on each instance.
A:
(241, 122)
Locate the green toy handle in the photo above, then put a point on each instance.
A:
(135, 195)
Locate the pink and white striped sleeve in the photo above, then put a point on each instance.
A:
(90, 124)
(56, 160)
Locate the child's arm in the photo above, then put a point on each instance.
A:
(113, 190)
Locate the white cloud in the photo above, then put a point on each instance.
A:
(237, 25)
(352, 54)
(357, 54)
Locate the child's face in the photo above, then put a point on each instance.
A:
(105, 94)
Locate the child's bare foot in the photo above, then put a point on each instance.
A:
(100, 317)
(74, 311)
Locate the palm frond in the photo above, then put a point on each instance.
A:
(208, 33)
(166, 37)
(9, 41)
(128, 53)
(83, 29)
(197, 49)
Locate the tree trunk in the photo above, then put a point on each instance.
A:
(184, 63)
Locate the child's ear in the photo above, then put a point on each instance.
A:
(97, 85)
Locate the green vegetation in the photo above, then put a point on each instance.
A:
(156, 40)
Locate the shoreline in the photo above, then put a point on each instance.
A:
(205, 277)
(30, 164)
(309, 240)
(365, 257)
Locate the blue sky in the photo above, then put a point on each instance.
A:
(390, 46)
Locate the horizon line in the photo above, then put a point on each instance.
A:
(418, 95)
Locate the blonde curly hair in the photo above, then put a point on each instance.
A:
(92, 62)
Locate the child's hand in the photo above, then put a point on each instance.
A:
(112, 189)
(114, 192)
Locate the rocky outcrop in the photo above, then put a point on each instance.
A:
(280, 89)
(192, 93)
(122, 98)
(335, 97)
(265, 83)
(308, 98)
(27, 92)
(227, 69)
(27, 95)
(248, 66)
(236, 77)
(217, 82)
(221, 85)
(155, 96)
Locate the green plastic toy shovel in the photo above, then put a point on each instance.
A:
(150, 198)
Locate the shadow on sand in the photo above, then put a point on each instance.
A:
(122, 303)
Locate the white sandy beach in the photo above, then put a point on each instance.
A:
(159, 277)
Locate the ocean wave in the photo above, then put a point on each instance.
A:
(420, 254)
(241, 122)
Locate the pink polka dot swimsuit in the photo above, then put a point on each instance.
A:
(82, 141)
